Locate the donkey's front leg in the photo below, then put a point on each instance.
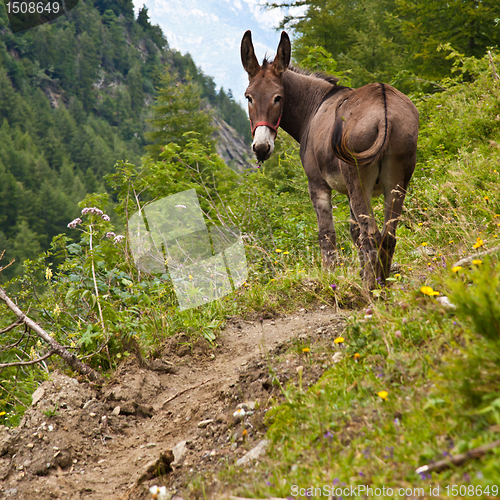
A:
(321, 198)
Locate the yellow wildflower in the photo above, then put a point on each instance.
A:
(2, 413)
(455, 269)
(339, 340)
(427, 290)
(357, 356)
(479, 243)
(48, 273)
(383, 395)
(278, 250)
(477, 262)
(305, 350)
(286, 253)
(424, 244)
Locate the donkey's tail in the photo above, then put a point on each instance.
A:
(340, 137)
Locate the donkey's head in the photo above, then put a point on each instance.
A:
(265, 93)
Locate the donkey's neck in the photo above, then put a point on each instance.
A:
(304, 94)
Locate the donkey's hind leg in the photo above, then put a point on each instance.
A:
(321, 198)
(392, 211)
(396, 175)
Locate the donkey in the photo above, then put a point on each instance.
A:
(359, 142)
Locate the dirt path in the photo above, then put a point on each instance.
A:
(79, 443)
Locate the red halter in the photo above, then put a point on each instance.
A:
(266, 124)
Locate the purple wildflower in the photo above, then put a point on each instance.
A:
(105, 217)
(74, 223)
(110, 234)
(328, 435)
(119, 238)
(334, 287)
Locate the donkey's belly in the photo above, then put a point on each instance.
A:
(336, 181)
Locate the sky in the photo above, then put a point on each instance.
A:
(211, 31)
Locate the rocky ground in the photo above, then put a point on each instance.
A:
(174, 423)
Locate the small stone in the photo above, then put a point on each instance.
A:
(178, 450)
(337, 357)
(116, 410)
(253, 453)
(37, 395)
(150, 445)
(30, 445)
(205, 423)
(92, 414)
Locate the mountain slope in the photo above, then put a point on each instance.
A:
(74, 100)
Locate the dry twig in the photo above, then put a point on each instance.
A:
(458, 459)
(185, 390)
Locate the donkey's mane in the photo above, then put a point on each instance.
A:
(320, 75)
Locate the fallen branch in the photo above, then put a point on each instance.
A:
(458, 459)
(467, 261)
(73, 362)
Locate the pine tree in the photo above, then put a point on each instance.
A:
(178, 109)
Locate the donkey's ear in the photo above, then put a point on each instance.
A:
(282, 59)
(248, 58)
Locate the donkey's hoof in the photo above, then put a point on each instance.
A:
(329, 260)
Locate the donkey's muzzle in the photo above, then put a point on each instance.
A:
(262, 151)
(263, 143)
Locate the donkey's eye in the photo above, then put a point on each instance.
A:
(249, 99)
(277, 99)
